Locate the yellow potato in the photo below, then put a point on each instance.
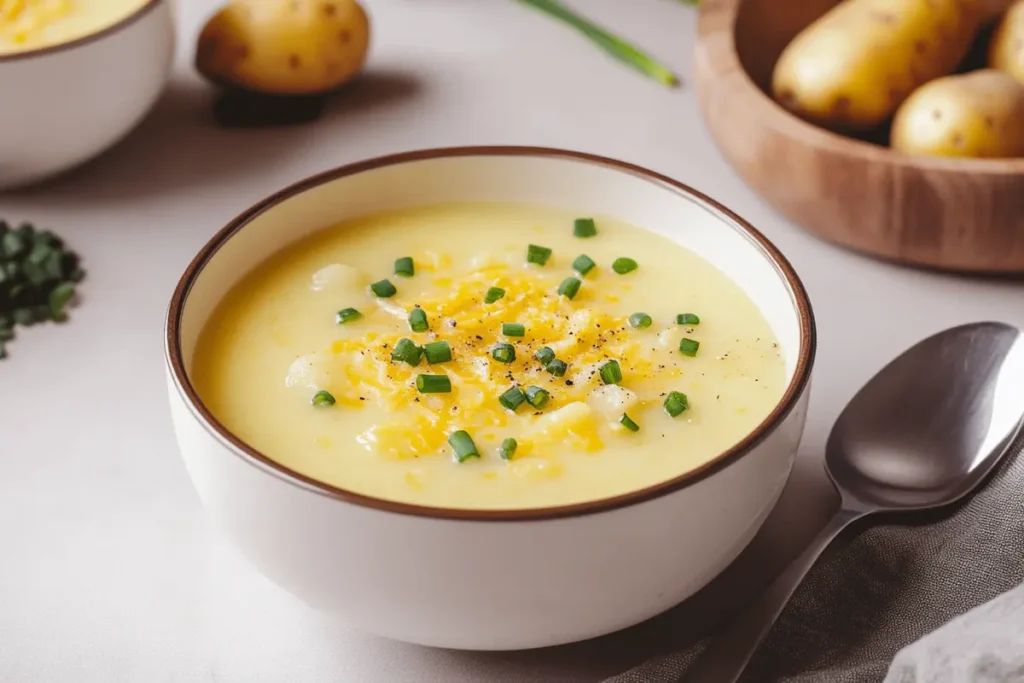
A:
(284, 47)
(853, 67)
(1006, 51)
(979, 114)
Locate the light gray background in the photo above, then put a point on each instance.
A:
(108, 570)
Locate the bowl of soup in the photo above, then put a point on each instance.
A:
(85, 73)
(489, 398)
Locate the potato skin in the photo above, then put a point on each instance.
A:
(1006, 51)
(978, 114)
(854, 66)
(284, 47)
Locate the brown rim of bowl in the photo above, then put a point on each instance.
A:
(829, 141)
(122, 23)
(793, 392)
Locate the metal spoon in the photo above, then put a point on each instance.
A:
(923, 433)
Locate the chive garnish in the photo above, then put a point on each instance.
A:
(611, 373)
(404, 267)
(583, 264)
(513, 329)
(624, 265)
(584, 227)
(433, 384)
(537, 397)
(437, 352)
(545, 354)
(640, 320)
(462, 443)
(557, 367)
(508, 448)
(538, 255)
(687, 319)
(688, 347)
(384, 289)
(322, 398)
(512, 399)
(493, 294)
(418, 320)
(346, 315)
(628, 423)
(569, 287)
(503, 353)
(675, 403)
(406, 351)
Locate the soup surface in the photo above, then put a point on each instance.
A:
(34, 24)
(409, 389)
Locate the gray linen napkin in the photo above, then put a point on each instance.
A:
(868, 600)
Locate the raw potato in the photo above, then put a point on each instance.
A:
(853, 67)
(284, 47)
(1006, 51)
(979, 114)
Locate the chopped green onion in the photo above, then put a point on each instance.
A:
(583, 264)
(624, 265)
(613, 45)
(569, 287)
(384, 289)
(493, 294)
(688, 347)
(503, 353)
(640, 320)
(611, 373)
(508, 449)
(406, 351)
(538, 255)
(418, 320)
(463, 445)
(687, 319)
(346, 315)
(545, 354)
(537, 397)
(404, 267)
(433, 384)
(675, 403)
(437, 352)
(512, 399)
(584, 227)
(628, 423)
(322, 398)
(557, 367)
(513, 329)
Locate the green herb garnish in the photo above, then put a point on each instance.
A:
(433, 384)
(538, 255)
(640, 320)
(570, 287)
(493, 294)
(611, 373)
(610, 43)
(462, 443)
(545, 354)
(628, 423)
(437, 352)
(347, 315)
(508, 449)
(584, 227)
(537, 397)
(418, 320)
(384, 289)
(322, 398)
(687, 319)
(406, 351)
(513, 329)
(512, 399)
(688, 347)
(624, 265)
(675, 403)
(583, 264)
(503, 353)
(557, 367)
(404, 267)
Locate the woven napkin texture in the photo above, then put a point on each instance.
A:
(882, 588)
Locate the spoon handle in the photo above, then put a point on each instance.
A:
(727, 656)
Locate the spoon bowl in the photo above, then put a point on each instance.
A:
(921, 433)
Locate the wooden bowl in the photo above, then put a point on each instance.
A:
(952, 214)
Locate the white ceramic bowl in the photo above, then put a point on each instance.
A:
(67, 103)
(491, 579)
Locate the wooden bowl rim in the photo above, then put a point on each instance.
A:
(716, 13)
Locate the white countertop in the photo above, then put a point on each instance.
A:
(109, 572)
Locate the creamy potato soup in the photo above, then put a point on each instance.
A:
(488, 356)
(33, 24)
